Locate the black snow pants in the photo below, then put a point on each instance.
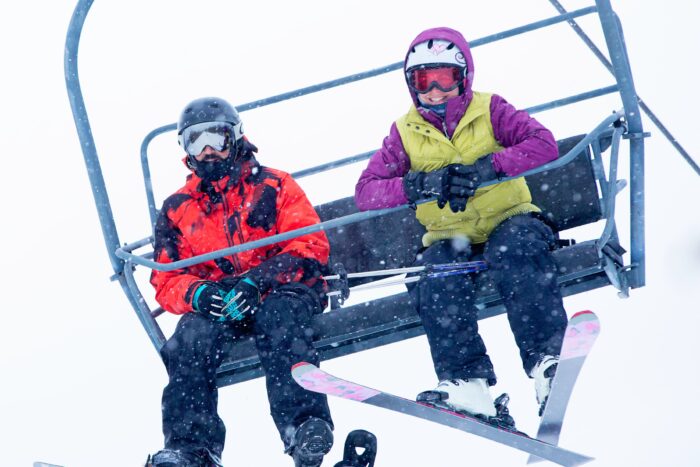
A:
(281, 328)
(518, 253)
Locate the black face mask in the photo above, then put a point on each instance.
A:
(211, 171)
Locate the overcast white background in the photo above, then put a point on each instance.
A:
(80, 383)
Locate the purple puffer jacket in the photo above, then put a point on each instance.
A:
(527, 144)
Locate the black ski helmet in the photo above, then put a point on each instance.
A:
(208, 109)
(212, 109)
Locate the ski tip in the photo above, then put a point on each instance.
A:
(301, 364)
(584, 313)
(300, 373)
(581, 317)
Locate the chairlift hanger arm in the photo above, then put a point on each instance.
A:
(652, 116)
(87, 142)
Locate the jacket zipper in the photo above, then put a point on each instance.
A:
(237, 216)
(229, 234)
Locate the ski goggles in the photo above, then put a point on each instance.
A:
(218, 135)
(446, 78)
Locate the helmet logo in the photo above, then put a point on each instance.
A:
(437, 49)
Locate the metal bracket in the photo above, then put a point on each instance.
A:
(642, 135)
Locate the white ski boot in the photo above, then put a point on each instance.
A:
(543, 373)
(462, 395)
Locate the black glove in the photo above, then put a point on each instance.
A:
(208, 299)
(243, 297)
(463, 181)
(453, 184)
(423, 185)
(227, 300)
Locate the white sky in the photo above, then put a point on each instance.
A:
(81, 383)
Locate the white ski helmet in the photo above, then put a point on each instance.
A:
(435, 52)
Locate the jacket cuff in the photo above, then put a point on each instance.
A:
(413, 186)
(486, 169)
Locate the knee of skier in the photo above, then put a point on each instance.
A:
(520, 238)
(285, 307)
(193, 338)
(445, 251)
(441, 252)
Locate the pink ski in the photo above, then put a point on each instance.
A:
(581, 333)
(314, 379)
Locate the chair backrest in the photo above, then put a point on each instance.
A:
(384, 242)
(568, 197)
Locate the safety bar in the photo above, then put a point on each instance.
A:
(351, 218)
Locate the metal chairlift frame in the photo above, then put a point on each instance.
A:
(625, 123)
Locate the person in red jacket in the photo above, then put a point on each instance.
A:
(269, 294)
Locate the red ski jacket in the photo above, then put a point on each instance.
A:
(200, 218)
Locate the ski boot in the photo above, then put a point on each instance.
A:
(183, 458)
(311, 441)
(471, 398)
(543, 374)
(364, 441)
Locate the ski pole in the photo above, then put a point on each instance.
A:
(429, 271)
(472, 266)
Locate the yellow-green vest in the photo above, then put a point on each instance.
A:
(429, 149)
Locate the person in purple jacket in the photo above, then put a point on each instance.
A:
(451, 141)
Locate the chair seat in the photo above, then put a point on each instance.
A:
(391, 319)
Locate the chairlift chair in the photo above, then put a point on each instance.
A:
(572, 191)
